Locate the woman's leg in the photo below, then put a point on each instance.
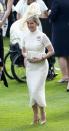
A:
(43, 115)
(35, 111)
(64, 67)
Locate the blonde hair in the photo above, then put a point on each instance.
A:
(34, 18)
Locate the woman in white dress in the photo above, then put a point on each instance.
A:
(34, 44)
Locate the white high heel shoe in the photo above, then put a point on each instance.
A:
(43, 122)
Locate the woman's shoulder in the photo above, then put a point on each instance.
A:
(41, 33)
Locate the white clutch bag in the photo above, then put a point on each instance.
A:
(32, 54)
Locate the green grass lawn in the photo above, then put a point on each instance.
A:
(16, 115)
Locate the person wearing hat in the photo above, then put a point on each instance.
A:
(33, 50)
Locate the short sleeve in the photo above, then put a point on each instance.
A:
(45, 40)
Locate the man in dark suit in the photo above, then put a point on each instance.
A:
(48, 3)
(47, 29)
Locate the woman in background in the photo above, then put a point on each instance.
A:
(3, 15)
(9, 4)
(60, 35)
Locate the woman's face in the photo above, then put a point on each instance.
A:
(31, 25)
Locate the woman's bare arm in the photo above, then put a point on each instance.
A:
(7, 12)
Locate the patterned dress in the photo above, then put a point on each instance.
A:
(36, 73)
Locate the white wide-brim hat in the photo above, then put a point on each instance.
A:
(33, 9)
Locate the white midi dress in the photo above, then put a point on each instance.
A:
(36, 73)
